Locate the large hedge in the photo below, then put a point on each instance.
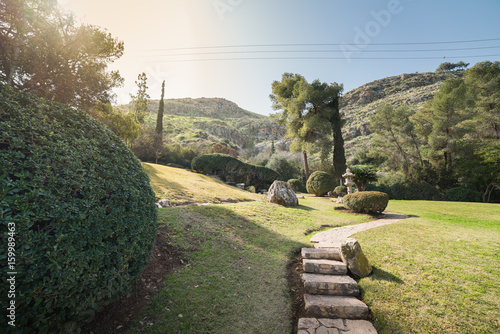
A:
(232, 169)
(79, 208)
(320, 183)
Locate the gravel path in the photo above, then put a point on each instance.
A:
(335, 236)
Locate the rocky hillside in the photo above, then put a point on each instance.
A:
(412, 90)
(205, 121)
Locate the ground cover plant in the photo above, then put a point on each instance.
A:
(436, 272)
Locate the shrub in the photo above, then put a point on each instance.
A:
(320, 183)
(340, 190)
(462, 194)
(366, 201)
(285, 167)
(82, 207)
(232, 169)
(296, 185)
(413, 191)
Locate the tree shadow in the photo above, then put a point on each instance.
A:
(382, 275)
(304, 208)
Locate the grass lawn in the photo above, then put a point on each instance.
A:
(436, 272)
(234, 280)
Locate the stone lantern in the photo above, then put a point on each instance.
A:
(348, 180)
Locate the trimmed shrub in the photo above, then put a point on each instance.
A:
(82, 209)
(296, 185)
(231, 169)
(366, 201)
(340, 190)
(462, 194)
(320, 183)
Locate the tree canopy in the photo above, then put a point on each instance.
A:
(44, 51)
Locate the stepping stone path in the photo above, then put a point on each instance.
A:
(331, 302)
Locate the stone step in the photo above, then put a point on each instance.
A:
(321, 253)
(325, 267)
(338, 285)
(345, 307)
(336, 326)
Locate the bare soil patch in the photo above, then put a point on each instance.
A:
(117, 317)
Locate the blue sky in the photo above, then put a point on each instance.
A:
(164, 39)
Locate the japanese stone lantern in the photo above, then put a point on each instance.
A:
(348, 180)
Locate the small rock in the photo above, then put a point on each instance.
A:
(163, 203)
(180, 316)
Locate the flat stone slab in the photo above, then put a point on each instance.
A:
(338, 285)
(325, 267)
(335, 326)
(320, 253)
(344, 307)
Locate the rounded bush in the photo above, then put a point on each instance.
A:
(296, 185)
(77, 208)
(340, 190)
(320, 183)
(366, 201)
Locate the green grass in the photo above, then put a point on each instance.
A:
(236, 254)
(436, 272)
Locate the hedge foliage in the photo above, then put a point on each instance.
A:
(232, 169)
(296, 185)
(366, 201)
(320, 183)
(81, 208)
(413, 191)
(462, 194)
(340, 190)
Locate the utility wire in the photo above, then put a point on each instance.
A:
(325, 58)
(321, 51)
(324, 44)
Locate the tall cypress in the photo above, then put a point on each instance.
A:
(159, 119)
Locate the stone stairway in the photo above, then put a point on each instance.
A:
(331, 302)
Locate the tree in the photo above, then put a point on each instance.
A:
(44, 51)
(324, 101)
(291, 96)
(395, 137)
(363, 175)
(159, 118)
(140, 101)
(447, 67)
(123, 125)
(440, 120)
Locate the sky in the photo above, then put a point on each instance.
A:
(235, 49)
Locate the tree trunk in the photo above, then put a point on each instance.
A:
(306, 165)
(339, 162)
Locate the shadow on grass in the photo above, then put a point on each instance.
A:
(382, 275)
(304, 208)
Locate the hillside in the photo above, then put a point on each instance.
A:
(205, 121)
(412, 90)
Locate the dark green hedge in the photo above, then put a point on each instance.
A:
(320, 183)
(232, 169)
(462, 194)
(366, 201)
(82, 207)
(296, 185)
(413, 191)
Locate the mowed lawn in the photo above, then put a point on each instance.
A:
(436, 272)
(235, 255)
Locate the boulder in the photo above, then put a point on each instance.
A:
(353, 257)
(163, 203)
(279, 193)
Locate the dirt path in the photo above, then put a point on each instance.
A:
(335, 236)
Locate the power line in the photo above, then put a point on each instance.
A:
(325, 58)
(324, 44)
(323, 51)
